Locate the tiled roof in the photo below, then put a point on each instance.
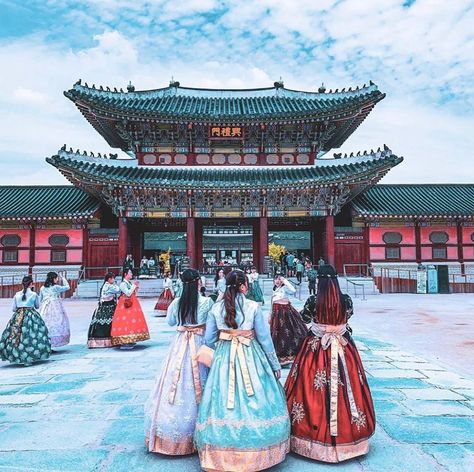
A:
(326, 171)
(192, 103)
(416, 200)
(43, 201)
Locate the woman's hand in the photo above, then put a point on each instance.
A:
(278, 374)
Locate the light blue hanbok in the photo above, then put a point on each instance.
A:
(171, 409)
(243, 422)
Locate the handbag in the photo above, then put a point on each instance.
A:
(128, 302)
(204, 355)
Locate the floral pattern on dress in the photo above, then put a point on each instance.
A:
(320, 379)
(360, 421)
(297, 412)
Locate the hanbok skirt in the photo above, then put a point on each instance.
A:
(53, 313)
(101, 323)
(172, 407)
(332, 416)
(255, 292)
(164, 302)
(288, 331)
(253, 433)
(25, 339)
(128, 324)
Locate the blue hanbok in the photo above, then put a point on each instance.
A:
(171, 409)
(243, 422)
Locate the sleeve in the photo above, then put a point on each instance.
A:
(37, 301)
(172, 313)
(212, 332)
(290, 288)
(127, 291)
(14, 305)
(262, 332)
(62, 288)
(41, 295)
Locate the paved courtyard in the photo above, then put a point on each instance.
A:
(83, 410)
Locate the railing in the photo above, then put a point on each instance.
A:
(93, 273)
(357, 270)
(10, 284)
(355, 284)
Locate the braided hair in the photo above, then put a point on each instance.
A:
(234, 281)
(26, 282)
(188, 302)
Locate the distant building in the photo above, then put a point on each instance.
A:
(216, 174)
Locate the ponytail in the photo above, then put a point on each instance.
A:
(234, 281)
(26, 281)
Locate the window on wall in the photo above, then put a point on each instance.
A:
(59, 240)
(392, 253)
(10, 255)
(10, 240)
(392, 237)
(58, 255)
(439, 237)
(440, 253)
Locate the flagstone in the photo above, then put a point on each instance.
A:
(431, 394)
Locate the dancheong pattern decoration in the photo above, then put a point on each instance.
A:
(157, 192)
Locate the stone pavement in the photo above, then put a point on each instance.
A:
(83, 410)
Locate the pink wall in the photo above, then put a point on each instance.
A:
(452, 252)
(23, 233)
(408, 253)
(74, 256)
(408, 234)
(42, 236)
(426, 230)
(426, 253)
(377, 253)
(42, 256)
(466, 234)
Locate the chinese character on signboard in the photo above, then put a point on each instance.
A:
(226, 132)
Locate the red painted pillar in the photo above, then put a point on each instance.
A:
(123, 240)
(263, 246)
(329, 240)
(199, 227)
(191, 240)
(460, 246)
(31, 260)
(418, 242)
(85, 246)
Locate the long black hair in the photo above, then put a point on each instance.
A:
(188, 302)
(50, 276)
(26, 281)
(107, 276)
(234, 281)
(216, 278)
(125, 272)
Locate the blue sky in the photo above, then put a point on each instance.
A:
(419, 52)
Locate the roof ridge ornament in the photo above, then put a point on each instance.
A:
(130, 87)
(322, 88)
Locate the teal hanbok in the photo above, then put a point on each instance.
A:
(243, 422)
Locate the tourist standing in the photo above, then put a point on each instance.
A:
(242, 422)
(128, 263)
(172, 407)
(25, 339)
(166, 296)
(220, 285)
(299, 270)
(52, 309)
(99, 328)
(290, 259)
(144, 271)
(128, 324)
(327, 385)
(286, 326)
(312, 275)
(255, 292)
(321, 262)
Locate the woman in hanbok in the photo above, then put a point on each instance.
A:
(166, 296)
(243, 422)
(255, 292)
(178, 286)
(144, 272)
(101, 323)
(286, 325)
(152, 270)
(25, 339)
(171, 409)
(220, 286)
(128, 324)
(52, 309)
(327, 386)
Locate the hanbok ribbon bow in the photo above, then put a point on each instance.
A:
(187, 339)
(238, 339)
(332, 336)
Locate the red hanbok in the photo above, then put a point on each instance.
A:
(329, 400)
(165, 298)
(128, 324)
